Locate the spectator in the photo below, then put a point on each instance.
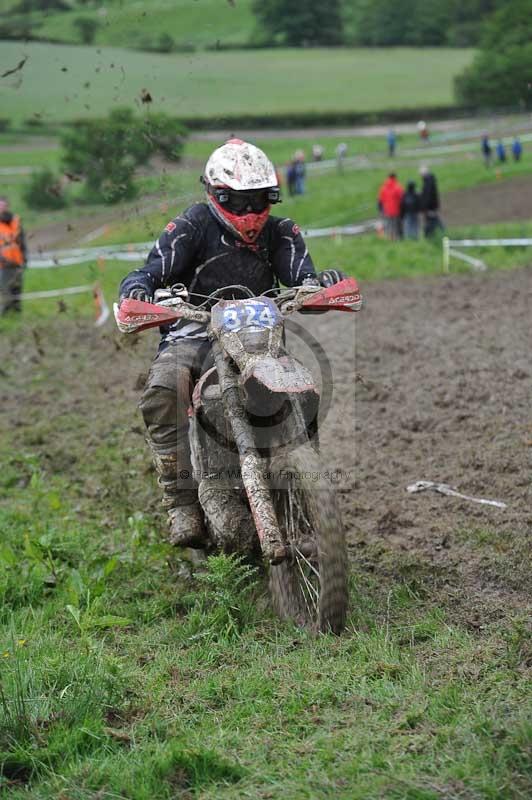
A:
(486, 150)
(341, 152)
(317, 152)
(501, 152)
(392, 142)
(430, 203)
(299, 172)
(517, 149)
(410, 208)
(389, 202)
(291, 177)
(12, 258)
(423, 131)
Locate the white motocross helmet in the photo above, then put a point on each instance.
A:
(241, 185)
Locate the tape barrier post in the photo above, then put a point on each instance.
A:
(476, 263)
(102, 309)
(446, 253)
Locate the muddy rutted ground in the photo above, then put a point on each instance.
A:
(443, 393)
(504, 201)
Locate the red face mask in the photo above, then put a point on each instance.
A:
(246, 226)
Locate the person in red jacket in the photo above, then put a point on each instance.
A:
(390, 196)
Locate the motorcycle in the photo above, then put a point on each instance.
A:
(254, 441)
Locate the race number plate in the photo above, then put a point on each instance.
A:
(233, 315)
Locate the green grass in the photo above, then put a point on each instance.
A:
(137, 24)
(31, 158)
(55, 78)
(121, 679)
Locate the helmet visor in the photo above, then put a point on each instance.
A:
(253, 201)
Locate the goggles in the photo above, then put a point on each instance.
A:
(248, 201)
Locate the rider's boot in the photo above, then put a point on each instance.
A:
(180, 498)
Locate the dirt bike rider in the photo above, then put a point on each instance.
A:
(230, 239)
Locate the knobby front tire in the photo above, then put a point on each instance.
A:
(309, 588)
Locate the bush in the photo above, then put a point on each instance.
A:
(16, 28)
(44, 191)
(165, 135)
(5, 124)
(86, 27)
(33, 122)
(165, 43)
(107, 151)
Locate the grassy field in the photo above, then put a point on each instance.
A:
(191, 23)
(60, 82)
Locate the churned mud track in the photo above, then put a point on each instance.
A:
(443, 393)
(433, 380)
(504, 201)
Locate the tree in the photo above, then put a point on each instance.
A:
(299, 23)
(416, 22)
(500, 74)
(87, 27)
(106, 152)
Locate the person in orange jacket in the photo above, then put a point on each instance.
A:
(390, 196)
(12, 258)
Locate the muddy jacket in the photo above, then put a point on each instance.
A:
(196, 250)
(12, 243)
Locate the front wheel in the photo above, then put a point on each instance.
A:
(310, 587)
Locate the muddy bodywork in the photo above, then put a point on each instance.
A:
(256, 401)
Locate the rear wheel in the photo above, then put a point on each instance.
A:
(310, 587)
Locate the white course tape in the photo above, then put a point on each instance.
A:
(490, 242)
(64, 258)
(102, 309)
(57, 292)
(139, 250)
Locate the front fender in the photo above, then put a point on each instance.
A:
(280, 375)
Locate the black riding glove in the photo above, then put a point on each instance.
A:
(138, 293)
(331, 276)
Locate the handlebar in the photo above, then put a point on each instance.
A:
(288, 300)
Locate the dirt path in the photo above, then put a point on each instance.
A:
(504, 201)
(444, 395)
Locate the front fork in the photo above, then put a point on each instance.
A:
(251, 464)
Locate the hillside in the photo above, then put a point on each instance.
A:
(63, 82)
(190, 23)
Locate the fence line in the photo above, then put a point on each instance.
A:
(139, 250)
(449, 249)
